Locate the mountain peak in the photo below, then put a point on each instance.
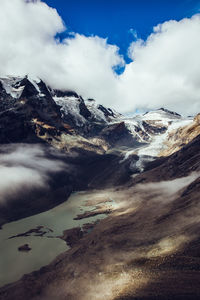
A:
(169, 111)
(161, 113)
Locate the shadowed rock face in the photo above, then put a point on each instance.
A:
(84, 110)
(29, 90)
(40, 105)
(59, 93)
(16, 120)
(118, 135)
(107, 112)
(153, 129)
(6, 101)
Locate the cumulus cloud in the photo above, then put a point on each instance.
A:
(164, 70)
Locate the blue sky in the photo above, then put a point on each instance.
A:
(162, 71)
(114, 19)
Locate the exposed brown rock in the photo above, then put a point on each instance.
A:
(180, 137)
(72, 236)
(179, 164)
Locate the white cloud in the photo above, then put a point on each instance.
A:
(166, 68)
(164, 72)
(25, 167)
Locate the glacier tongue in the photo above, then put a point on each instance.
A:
(156, 142)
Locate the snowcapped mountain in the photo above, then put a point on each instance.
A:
(74, 110)
(71, 103)
(143, 128)
(49, 112)
(82, 114)
(31, 111)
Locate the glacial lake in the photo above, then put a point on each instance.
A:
(44, 249)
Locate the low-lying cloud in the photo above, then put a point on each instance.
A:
(164, 70)
(170, 187)
(25, 167)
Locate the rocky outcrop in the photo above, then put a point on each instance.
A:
(117, 134)
(177, 165)
(153, 128)
(84, 111)
(72, 236)
(170, 112)
(24, 248)
(106, 111)
(63, 94)
(176, 139)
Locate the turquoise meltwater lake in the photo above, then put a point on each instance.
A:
(44, 249)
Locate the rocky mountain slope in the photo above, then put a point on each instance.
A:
(95, 140)
(141, 171)
(41, 111)
(180, 137)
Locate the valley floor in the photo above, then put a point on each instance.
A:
(147, 248)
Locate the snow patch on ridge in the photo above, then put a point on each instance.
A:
(157, 144)
(70, 105)
(96, 113)
(10, 86)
